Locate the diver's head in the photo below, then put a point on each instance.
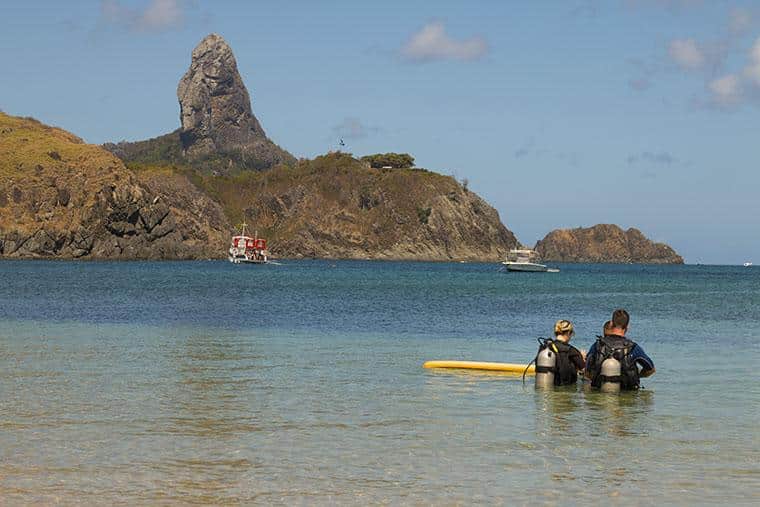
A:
(620, 320)
(607, 328)
(563, 330)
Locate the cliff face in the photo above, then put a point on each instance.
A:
(604, 243)
(218, 131)
(60, 197)
(337, 207)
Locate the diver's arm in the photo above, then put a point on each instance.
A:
(589, 359)
(579, 362)
(644, 361)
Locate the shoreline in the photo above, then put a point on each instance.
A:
(368, 259)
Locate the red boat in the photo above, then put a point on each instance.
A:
(247, 249)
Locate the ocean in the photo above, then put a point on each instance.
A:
(302, 383)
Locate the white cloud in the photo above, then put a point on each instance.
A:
(433, 43)
(728, 82)
(752, 70)
(733, 90)
(726, 90)
(158, 15)
(686, 54)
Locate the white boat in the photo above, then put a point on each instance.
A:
(522, 259)
(247, 250)
(747, 264)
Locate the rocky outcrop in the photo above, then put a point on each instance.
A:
(604, 243)
(337, 207)
(218, 130)
(62, 198)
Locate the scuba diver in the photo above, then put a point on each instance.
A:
(558, 362)
(613, 361)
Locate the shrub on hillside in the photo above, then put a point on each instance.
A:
(424, 214)
(394, 160)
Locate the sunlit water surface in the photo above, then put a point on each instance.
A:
(204, 382)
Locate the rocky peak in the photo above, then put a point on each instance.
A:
(604, 243)
(215, 110)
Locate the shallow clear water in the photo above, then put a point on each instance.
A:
(204, 382)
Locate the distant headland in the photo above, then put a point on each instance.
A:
(179, 196)
(604, 243)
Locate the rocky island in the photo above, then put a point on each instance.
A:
(180, 195)
(604, 243)
(62, 198)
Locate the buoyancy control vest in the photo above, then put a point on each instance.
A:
(562, 370)
(618, 348)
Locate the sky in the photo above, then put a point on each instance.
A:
(561, 114)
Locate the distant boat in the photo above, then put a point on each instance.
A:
(747, 264)
(248, 250)
(521, 259)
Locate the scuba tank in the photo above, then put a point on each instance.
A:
(546, 362)
(610, 376)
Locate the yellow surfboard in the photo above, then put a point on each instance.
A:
(480, 365)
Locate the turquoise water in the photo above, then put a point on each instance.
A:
(204, 382)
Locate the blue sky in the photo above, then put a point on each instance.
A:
(642, 113)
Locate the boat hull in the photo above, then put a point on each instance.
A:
(246, 260)
(528, 267)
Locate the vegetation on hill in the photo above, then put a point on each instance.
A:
(334, 206)
(158, 150)
(389, 160)
(167, 149)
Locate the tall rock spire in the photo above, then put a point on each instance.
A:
(215, 111)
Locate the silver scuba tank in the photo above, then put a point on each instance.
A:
(548, 359)
(610, 368)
